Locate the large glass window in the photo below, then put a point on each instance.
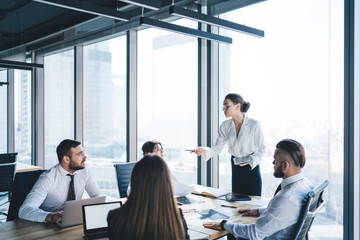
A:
(167, 96)
(59, 102)
(23, 115)
(293, 78)
(3, 112)
(105, 110)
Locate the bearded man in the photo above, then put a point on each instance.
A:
(66, 181)
(278, 220)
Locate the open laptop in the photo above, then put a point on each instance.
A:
(95, 219)
(72, 210)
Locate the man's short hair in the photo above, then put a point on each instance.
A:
(294, 149)
(64, 148)
(149, 146)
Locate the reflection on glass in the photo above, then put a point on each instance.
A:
(3, 112)
(293, 79)
(23, 115)
(59, 102)
(167, 96)
(105, 110)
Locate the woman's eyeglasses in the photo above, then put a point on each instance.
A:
(225, 107)
(159, 150)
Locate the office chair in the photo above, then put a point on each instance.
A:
(7, 172)
(23, 183)
(123, 174)
(312, 206)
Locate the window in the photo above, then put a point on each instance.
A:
(167, 96)
(59, 102)
(3, 112)
(294, 80)
(23, 115)
(105, 110)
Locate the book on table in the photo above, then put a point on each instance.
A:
(210, 192)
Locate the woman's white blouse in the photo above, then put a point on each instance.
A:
(249, 144)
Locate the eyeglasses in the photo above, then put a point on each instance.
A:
(225, 107)
(159, 150)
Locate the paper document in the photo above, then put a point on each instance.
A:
(210, 192)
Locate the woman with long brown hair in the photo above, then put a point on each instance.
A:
(150, 211)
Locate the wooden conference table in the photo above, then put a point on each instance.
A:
(26, 230)
(195, 211)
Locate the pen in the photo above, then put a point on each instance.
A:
(189, 150)
(227, 206)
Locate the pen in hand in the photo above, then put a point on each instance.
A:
(189, 150)
(227, 206)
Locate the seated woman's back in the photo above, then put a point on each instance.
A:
(150, 211)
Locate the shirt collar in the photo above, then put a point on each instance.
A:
(292, 179)
(246, 119)
(63, 171)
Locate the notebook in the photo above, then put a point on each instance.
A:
(210, 192)
(95, 219)
(72, 210)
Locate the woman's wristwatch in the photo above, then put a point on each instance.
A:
(222, 223)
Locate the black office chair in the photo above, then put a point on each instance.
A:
(123, 174)
(23, 183)
(313, 205)
(7, 172)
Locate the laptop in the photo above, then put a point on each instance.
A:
(72, 210)
(95, 219)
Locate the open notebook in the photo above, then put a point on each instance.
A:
(210, 192)
(95, 219)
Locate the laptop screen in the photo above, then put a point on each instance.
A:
(95, 216)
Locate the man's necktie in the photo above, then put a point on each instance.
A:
(278, 189)
(71, 192)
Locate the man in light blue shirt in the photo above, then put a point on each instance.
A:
(278, 220)
(65, 181)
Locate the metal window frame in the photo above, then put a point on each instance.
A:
(351, 119)
(131, 96)
(357, 119)
(79, 92)
(11, 110)
(213, 62)
(203, 106)
(38, 117)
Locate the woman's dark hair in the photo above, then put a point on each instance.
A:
(64, 148)
(237, 98)
(294, 149)
(150, 212)
(149, 146)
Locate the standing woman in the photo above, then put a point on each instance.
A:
(245, 141)
(150, 211)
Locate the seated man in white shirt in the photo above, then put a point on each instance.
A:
(155, 147)
(279, 219)
(67, 180)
